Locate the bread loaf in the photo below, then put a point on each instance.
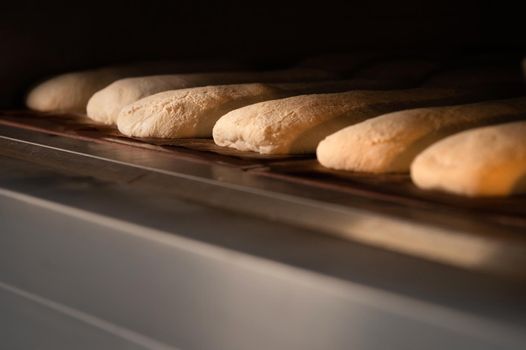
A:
(487, 161)
(390, 142)
(70, 92)
(193, 112)
(297, 124)
(105, 105)
(188, 112)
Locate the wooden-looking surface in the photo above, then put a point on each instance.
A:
(393, 188)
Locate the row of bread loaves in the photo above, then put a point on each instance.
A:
(360, 130)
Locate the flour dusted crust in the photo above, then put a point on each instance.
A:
(188, 112)
(105, 105)
(193, 112)
(487, 161)
(297, 124)
(390, 142)
(272, 127)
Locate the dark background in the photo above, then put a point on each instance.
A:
(40, 38)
